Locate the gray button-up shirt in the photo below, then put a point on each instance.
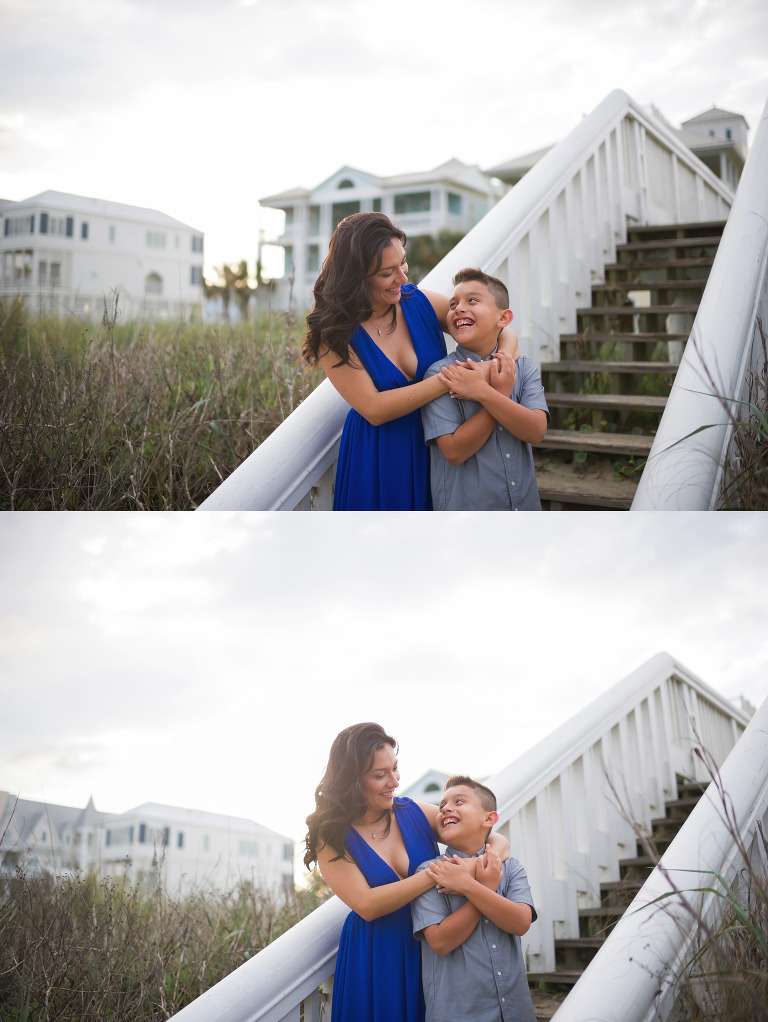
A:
(501, 475)
(482, 980)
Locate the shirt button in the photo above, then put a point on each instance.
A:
(499, 428)
(503, 1000)
(493, 946)
(498, 973)
(507, 455)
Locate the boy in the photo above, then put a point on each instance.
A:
(472, 960)
(480, 434)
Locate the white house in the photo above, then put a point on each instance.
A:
(69, 254)
(193, 849)
(717, 137)
(452, 197)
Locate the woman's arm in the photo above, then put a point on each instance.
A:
(507, 337)
(345, 880)
(379, 406)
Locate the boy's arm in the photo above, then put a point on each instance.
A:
(512, 916)
(451, 932)
(467, 440)
(527, 424)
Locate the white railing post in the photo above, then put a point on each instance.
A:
(684, 468)
(632, 978)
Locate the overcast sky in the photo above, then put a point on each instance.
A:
(207, 661)
(200, 107)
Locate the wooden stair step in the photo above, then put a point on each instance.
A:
(596, 442)
(634, 310)
(579, 366)
(670, 243)
(614, 402)
(685, 263)
(558, 482)
(622, 337)
(650, 285)
(564, 977)
(687, 228)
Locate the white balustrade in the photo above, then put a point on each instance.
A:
(686, 468)
(558, 802)
(633, 976)
(556, 807)
(548, 238)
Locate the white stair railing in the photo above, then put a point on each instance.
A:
(557, 803)
(548, 238)
(554, 807)
(634, 974)
(723, 352)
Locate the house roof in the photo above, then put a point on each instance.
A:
(85, 205)
(452, 171)
(518, 163)
(158, 812)
(714, 114)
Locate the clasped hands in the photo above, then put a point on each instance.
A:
(468, 380)
(455, 874)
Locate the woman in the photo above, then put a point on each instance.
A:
(367, 844)
(375, 336)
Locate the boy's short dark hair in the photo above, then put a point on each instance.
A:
(497, 287)
(486, 796)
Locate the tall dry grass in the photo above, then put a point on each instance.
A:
(137, 416)
(87, 949)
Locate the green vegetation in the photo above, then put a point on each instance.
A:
(80, 948)
(137, 416)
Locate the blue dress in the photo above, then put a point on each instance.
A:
(378, 969)
(386, 468)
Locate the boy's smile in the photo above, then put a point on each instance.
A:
(461, 819)
(474, 319)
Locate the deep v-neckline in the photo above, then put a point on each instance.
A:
(402, 837)
(403, 373)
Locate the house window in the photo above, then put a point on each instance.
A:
(314, 219)
(84, 231)
(19, 225)
(112, 234)
(289, 215)
(313, 258)
(153, 285)
(454, 203)
(413, 202)
(166, 836)
(42, 272)
(431, 787)
(197, 243)
(180, 840)
(196, 275)
(206, 843)
(18, 266)
(55, 280)
(728, 133)
(61, 225)
(155, 239)
(376, 206)
(249, 848)
(142, 833)
(346, 183)
(341, 209)
(289, 260)
(108, 838)
(44, 836)
(287, 851)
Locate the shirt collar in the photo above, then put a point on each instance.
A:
(463, 855)
(470, 356)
